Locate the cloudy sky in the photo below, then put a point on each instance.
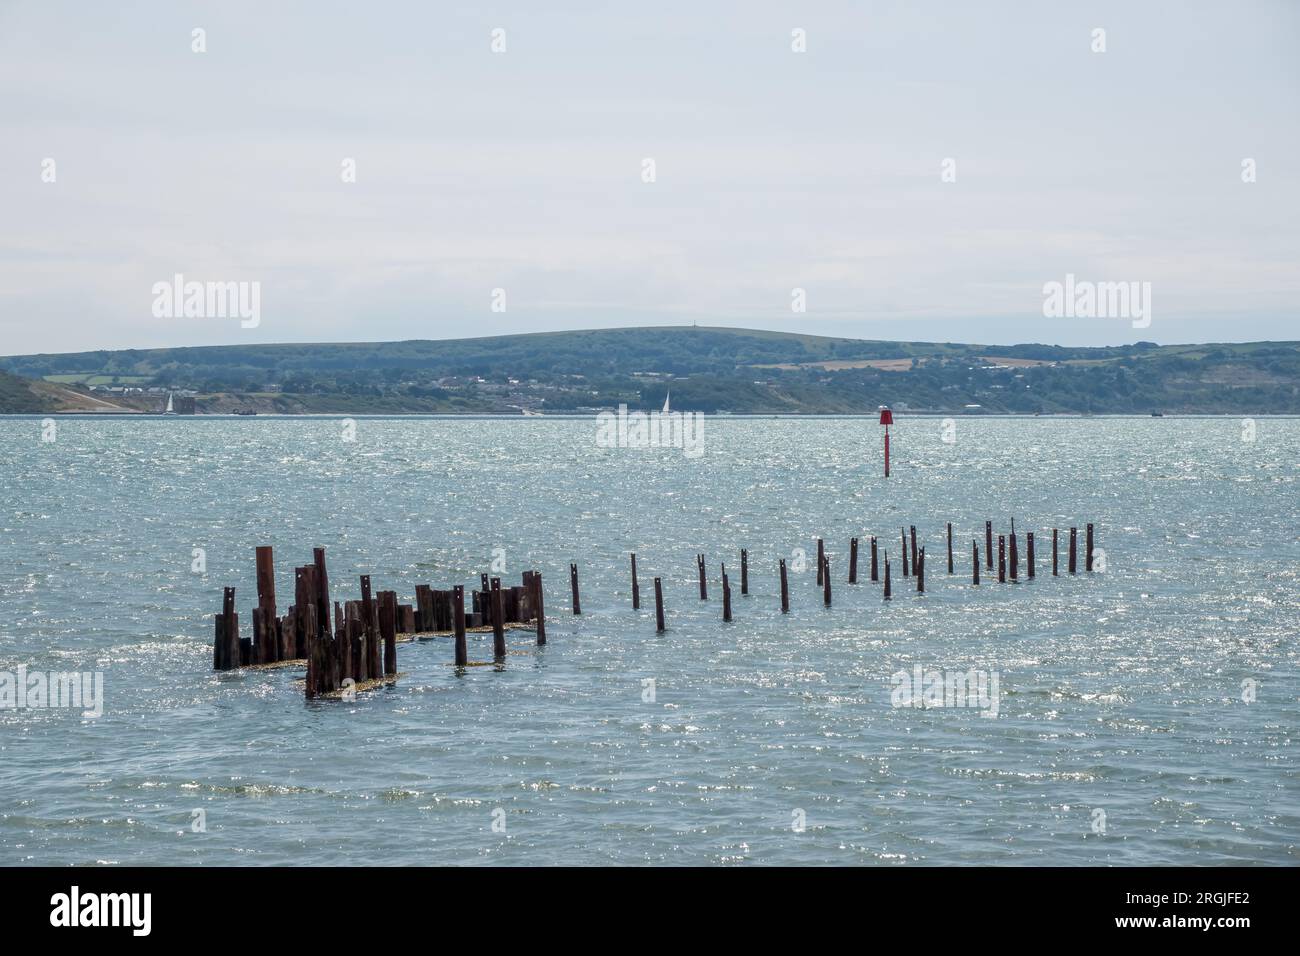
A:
(523, 169)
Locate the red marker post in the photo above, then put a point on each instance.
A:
(886, 419)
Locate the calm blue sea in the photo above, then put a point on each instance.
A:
(1145, 713)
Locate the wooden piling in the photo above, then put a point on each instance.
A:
(785, 590)
(902, 534)
(726, 595)
(888, 593)
(988, 544)
(826, 581)
(975, 562)
(853, 561)
(920, 572)
(1087, 549)
(322, 592)
(1074, 535)
(744, 571)
(912, 529)
(821, 560)
(1002, 559)
(539, 608)
(1029, 554)
(264, 631)
(1015, 554)
(950, 547)
(636, 590)
(875, 576)
(458, 622)
(388, 630)
(1054, 552)
(704, 583)
(659, 606)
(573, 584)
(498, 615)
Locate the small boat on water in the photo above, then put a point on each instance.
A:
(169, 410)
(1157, 414)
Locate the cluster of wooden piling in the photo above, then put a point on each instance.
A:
(358, 640)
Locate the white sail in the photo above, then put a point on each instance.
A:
(667, 395)
(170, 410)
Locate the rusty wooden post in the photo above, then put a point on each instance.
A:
(902, 534)
(950, 547)
(1029, 554)
(659, 606)
(726, 595)
(1074, 533)
(1002, 559)
(636, 589)
(388, 630)
(1087, 549)
(499, 619)
(785, 590)
(821, 560)
(826, 581)
(912, 529)
(573, 584)
(1054, 553)
(704, 583)
(458, 622)
(539, 609)
(269, 650)
(988, 544)
(888, 592)
(875, 575)
(920, 572)
(1015, 554)
(975, 559)
(744, 571)
(322, 592)
(853, 561)
(230, 630)
(370, 622)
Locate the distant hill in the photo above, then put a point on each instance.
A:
(707, 369)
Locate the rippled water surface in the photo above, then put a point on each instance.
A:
(1120, 691)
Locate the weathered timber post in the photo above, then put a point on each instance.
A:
(988, 544)
(902, 534)
(573, 584)
(785, 590)
(888, 592)
(264, 634)
(636, 590)
(912, 528)
(1002, 559)
(853, 561)
(1074, 534)
(1087, 549)
(704, 583)
(875, 575)
(322, 592)
(1015, 554)
(458, 622)
(1054, 553)
(498, 616)
(950, 547)
(659, 606)
(826, 581)
(920, 572)
(821, 560)
(388, 630)
(539, 609)
(726, 595)
(975, 559)
(1029, 554)
(744, 571)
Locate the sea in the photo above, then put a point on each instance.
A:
(1143, 712)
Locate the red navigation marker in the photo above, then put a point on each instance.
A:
(886, 419)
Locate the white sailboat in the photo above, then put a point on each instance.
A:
(667, 395)
(169, 410)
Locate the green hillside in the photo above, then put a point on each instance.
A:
(708, 369)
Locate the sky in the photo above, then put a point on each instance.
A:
(524, 168)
